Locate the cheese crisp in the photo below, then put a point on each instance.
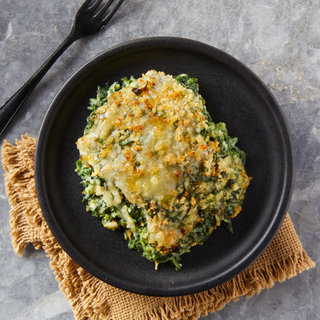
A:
(155, 166)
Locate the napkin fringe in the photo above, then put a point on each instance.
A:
(19, 168)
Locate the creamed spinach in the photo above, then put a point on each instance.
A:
(157, 168)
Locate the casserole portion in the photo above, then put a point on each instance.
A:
(155, 166)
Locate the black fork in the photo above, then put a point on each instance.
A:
(91, 17)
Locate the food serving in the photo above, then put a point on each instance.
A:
(155, 165)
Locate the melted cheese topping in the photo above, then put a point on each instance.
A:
(139, 142)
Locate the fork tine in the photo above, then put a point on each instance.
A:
(95, 6)
(103, 9)
(112, 12)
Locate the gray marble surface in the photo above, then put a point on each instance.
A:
(278, 39)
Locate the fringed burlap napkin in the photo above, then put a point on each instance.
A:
(93, 299)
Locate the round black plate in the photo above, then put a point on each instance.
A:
(233, 95)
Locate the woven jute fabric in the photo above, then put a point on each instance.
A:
(91, 298)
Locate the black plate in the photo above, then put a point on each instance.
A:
(233, 95)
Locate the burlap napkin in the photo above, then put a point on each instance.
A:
(91, 298)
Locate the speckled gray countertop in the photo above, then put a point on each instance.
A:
(278, 39)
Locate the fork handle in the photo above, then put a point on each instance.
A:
(9, 109)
